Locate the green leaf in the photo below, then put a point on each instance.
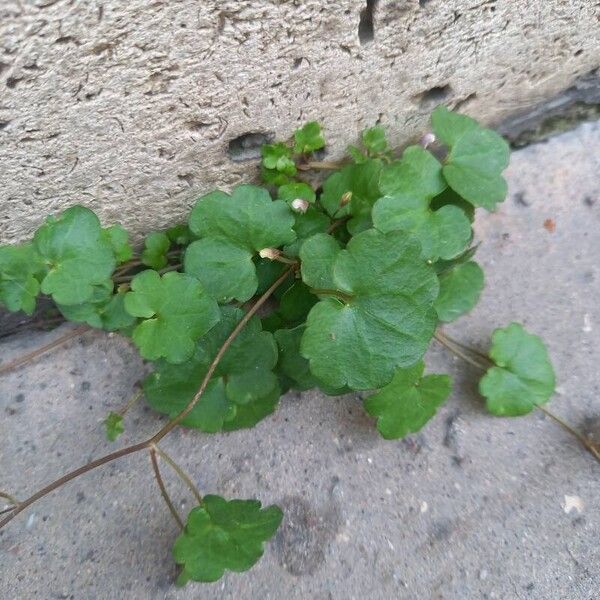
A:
(460, 289)
(20, 270)
(107, 313)
(243, 376)
(296, 302)
(119, 240)
(379, 314)
(176, 312)
(113, 425)
(248, 415)
(156, 246)
(374, 140)
(318, 256)
(417, 174)
(405, 404)
(360, 182)
(450, 198)
(225, 269)
(309, 138)
(292, 191)
(473, 168)
(180, 234)
(223, 535)
(523, 378)
(306, 225)
(248, 218)
(277, 164)
(79, 255)
(443, 233)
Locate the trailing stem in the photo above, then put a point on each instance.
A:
(168, 427)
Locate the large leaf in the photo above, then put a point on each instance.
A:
(234, 229)
(79, 255)
(477, 157)
(405, 404)
(378, 314)
(223, 535)
(21, 268)
(176, 312)
(243, 378)
(443, 233)
(460, 289)
(523, 378)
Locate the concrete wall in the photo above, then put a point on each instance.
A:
(134, 107)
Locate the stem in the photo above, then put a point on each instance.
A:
(168, 427)
(322, 165)
(22, 360)
(474, 351)
(134, 398)
(163, 489)
(181, 473)
(442, 339)
(10, 498)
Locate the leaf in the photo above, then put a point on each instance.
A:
(180, 234)
(309, 138)
(176, 312)
(359, 182)
(248, 415)
(225, 269)
(248, 218)
(296, 302)
(156, 246)
(277, 164)
(405, 404)
(306, 225)
(374, 140)
(378, 315)
(79, 255)
(20, 270)
(292, 191)
(443, 233)
(318, 256)
(523, 378)
(417, 174)
(473, 168)
(250, 359)
(107, 313)
(460, 289)
(113, 425)
(119, 240)
(223, 535)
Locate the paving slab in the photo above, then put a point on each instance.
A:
(471, 507)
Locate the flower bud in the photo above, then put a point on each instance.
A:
(270, 253)
(300, 205)
(427, 140)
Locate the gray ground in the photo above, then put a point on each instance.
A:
(473, 507)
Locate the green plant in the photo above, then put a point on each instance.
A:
(340, 287)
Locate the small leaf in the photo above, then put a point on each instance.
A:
(473, 168)
(223, 535)
(119, 240)
(225, 270)
(378, 314)
(78, 253)
(114, 426)
(417, 174)
(306, 225)
(180, 234)
(309, 138)
(292, 191)
(405, 404)
(156, 246)
(443, 233)
(523, 378)
(277, 164)
(21, 268)
(176, 312)
(374, 140)
(460, 289)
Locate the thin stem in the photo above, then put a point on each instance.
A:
(168, 427)
(10, 498)
(22, 360)
(474, 351)
(134, 398)
(322, 165)
(180, 472)
(7, 510)
(163, 489)
(457, 351)
(580, 436)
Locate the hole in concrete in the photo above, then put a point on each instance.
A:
(11, 82)
(366, 28)
(247, 146)
(433, 96)
(423, 2)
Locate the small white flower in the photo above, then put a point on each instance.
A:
(300, 205)
(271, 253)
(427, 140)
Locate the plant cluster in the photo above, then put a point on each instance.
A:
(339, 285)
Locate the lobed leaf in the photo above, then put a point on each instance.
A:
(308, 138)
(156, 246)
(21, 269)
(460, 289)
(113, 425)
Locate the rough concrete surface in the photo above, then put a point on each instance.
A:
(136, 108)
(471, 507)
